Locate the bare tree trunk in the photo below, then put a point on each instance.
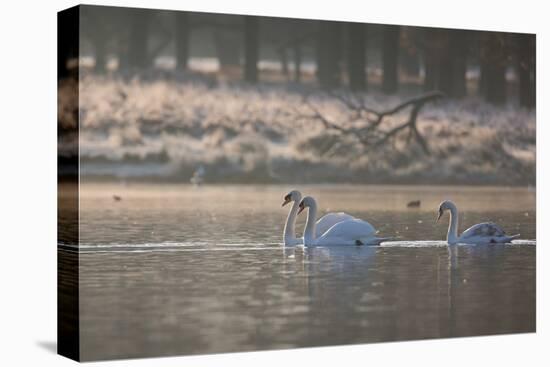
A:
(494, 63)
(409, 56)
(251, 48)
(138, 56)
(496, 84)
(98, 37)
(284, 62)
(228, 47)
(182, 40)
(431, 69)
(446, 63)
(297, 63)
(527, 70)
(436, 60)
(458, 49)
(482, 82)
(356, 56)
(328, 54)
(390, 53)
(100, 56)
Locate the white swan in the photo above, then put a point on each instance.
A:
(481, 233)
(349, 232)
(322, 225)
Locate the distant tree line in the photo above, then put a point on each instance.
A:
(438, 59)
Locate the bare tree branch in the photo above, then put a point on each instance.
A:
(372, 136)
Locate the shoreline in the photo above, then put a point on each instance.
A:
(395, 183)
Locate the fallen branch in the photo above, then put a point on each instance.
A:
(372, 136)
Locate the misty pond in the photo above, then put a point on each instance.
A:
(175, 269)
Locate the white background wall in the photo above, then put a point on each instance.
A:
(28, 182)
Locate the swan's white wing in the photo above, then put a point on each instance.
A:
(485, 233)
(347, 232)
(484, 230)
(328, 220)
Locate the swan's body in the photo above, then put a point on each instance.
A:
(322, 225)
(349, 232)
(482, 233)
(329, 220)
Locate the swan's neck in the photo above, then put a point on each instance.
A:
(309, 231)
(290, 232)
(452, 233)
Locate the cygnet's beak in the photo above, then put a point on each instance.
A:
(302, 207)
(439, 216)
(286, 202)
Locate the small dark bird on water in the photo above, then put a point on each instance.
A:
(413, 204)
(116, 198)
(122, 95)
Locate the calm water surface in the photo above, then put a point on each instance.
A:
(173, 269)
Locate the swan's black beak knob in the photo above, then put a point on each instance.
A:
(288, 199)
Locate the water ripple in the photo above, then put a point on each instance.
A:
(205, 246)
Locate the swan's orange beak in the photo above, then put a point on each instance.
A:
(287, 200)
